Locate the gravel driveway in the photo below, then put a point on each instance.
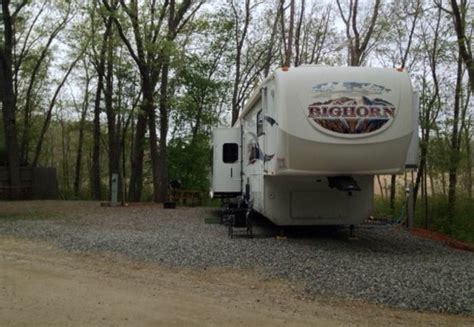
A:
(386, 266)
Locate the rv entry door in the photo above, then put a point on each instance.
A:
(226, 172)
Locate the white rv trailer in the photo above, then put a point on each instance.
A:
(308, 143)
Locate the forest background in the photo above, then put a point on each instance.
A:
(134, 88)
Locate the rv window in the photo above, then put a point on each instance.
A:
(259, 123)
(230, 152)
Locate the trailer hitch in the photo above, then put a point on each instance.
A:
(343, 183)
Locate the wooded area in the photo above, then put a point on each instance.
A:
(134, 87)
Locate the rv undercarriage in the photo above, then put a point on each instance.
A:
(343, 183)
(237, 215)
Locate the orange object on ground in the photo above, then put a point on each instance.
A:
(428, 234)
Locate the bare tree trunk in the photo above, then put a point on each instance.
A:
(358, 44)
(162, 194)
(137, 148)
(382, 193)
(289, 48)
(454, 152)
(393, 187)
(78, 165)
(432, 182)
(298, 60)
(96, 170)
(149, 62)
(269, 56)
(469, 172)
(49, 112)
(403, 64)
(427, 117)
(124, 165)
(443, 183)
(25, 142)
(160, 163)
(65, 152)
(468, 158)
(239, 41)
(77, 174)
(426, 199)
(136, 174)
(320, 42)
(112, 121)
(126, 125)
(464, 40)
(8, 101)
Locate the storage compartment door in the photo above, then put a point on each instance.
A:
(227, 157)
(329, 204)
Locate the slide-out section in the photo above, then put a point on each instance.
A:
(227, 167)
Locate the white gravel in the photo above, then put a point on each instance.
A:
(386, 266)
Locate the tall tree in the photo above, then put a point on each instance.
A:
(287, 37)
(241, 26)
(467, 139)
(113, 119)
(406, 14)
(358, 44)
(82, 112)
(99, 60)
(315, 41)
(430, 95)
(52, 103)
(459, 14)
(299, 34)
(34, 76)
(270, 51)
(151, 54)
(454, 153)
(7, 95)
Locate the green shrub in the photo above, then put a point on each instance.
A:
(461, 227)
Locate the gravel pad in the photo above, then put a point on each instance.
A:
(386, 266)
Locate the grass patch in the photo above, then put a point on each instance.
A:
(27, 215)
(214, 220)
(461, 227)
(213, 203)
(382, 208)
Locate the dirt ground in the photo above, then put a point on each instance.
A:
(43, 286)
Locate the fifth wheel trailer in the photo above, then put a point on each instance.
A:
(309, 142)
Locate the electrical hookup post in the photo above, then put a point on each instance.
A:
(410, 208)
(114, 191)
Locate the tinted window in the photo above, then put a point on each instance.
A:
(230, 152)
